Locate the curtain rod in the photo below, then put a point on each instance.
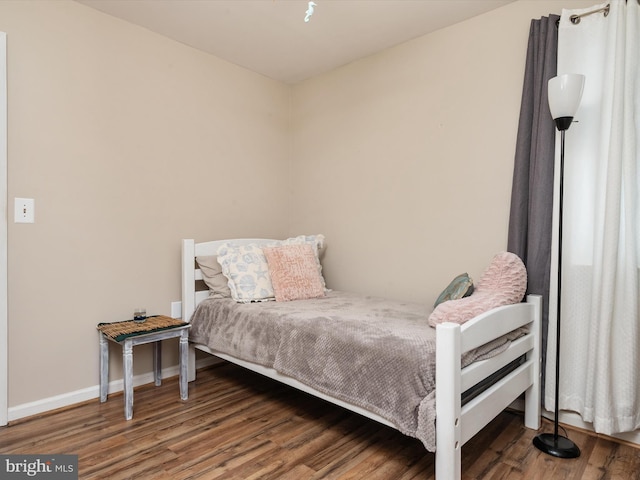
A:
(575, 19)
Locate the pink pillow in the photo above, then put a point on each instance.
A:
(295, 272)
(504, 282)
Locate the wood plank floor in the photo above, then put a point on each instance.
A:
(238, 425)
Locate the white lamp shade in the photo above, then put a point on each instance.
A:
(565, 92)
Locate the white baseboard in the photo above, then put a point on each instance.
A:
(575, 420)
(90, 393)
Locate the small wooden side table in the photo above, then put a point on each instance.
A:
(128, 334)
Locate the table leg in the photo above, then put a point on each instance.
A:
(104, 368)
(157, 362)
(127, 362)
(184, 362)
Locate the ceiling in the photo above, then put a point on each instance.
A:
(271, 37)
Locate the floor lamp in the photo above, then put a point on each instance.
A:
(564, 92)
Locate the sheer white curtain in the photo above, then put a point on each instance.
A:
(600, 351)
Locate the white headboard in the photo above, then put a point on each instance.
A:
(191, 273)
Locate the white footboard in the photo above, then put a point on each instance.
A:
(456, 424)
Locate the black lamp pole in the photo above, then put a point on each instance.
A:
(555, 444)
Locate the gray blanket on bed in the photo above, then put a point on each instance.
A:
(375, 353)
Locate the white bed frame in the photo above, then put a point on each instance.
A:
(455, 423)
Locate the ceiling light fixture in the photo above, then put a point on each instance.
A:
(309, 11)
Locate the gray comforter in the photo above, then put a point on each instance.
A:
(371, 352)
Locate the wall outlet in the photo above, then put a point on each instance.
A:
(176, 309)
(24, 210)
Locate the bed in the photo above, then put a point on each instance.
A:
(466, 376)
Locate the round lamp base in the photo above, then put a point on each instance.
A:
(559, 446)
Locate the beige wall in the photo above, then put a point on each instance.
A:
(129, 142)
(404, 159)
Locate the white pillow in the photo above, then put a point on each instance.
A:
(317, 241)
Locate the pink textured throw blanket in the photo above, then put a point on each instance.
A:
(374, 353)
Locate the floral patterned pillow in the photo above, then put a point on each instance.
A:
(247, 272)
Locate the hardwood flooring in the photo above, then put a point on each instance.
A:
(238, 425)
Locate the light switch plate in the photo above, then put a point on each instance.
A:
(24, 210)
(176, 309)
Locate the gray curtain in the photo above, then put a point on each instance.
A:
(530, 222)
